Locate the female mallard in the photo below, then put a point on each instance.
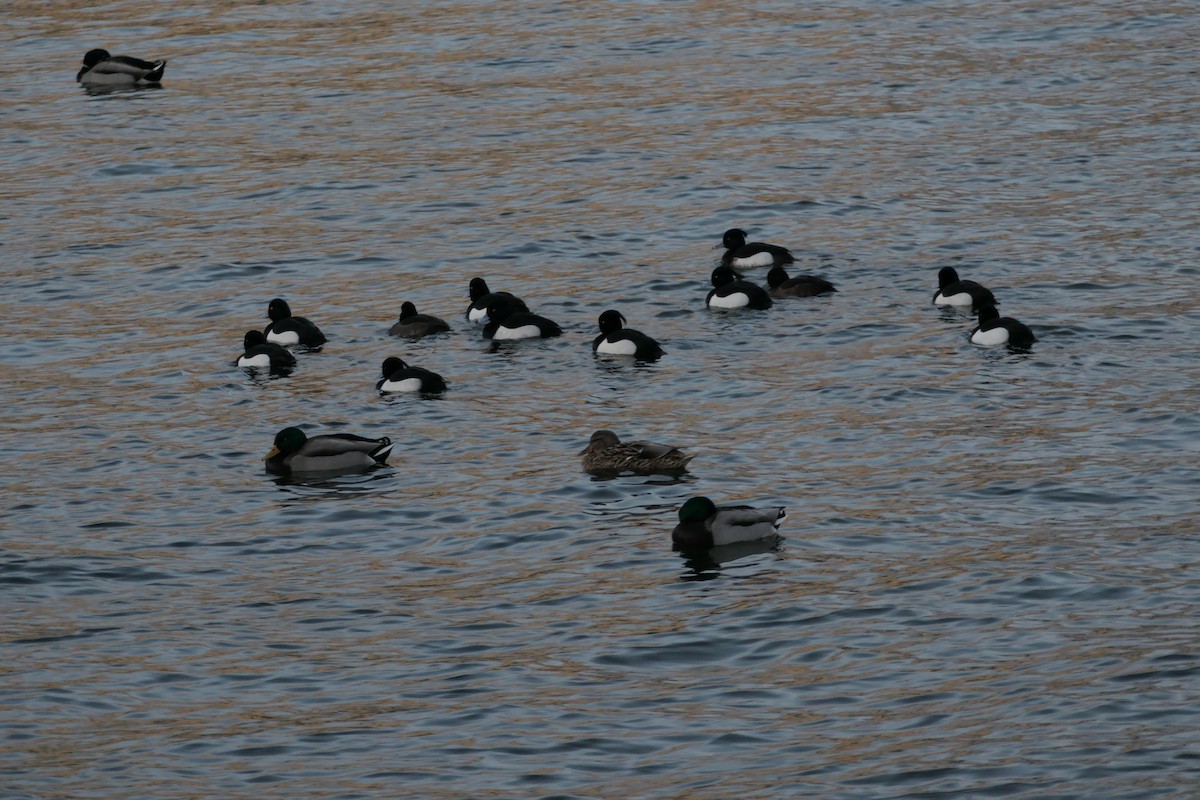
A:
(799, 286)
(739, 253)
(482, 297)
(261, 354)
(953, 292)
(288, 330)
(994, 329)
(414, 325)
(704, 525)
(296, 452)
(615, 339)
(400, 377)
(607, 453)
(730, 291)
(100, 68)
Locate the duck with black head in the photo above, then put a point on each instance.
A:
(288, 330)
(615, 339)
(101, 68)
(743, 255)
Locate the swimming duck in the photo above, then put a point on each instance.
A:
(607, 453)
(101, 68)
(739, 253)
(414, 325)
(954, 292)
(398, 376)
(482, 297)
(617, 340)
(994, 329)
(261, 354)
(296, 452)
(704, 525)
(508, 323)
(799, 286)
(288, 330)
(730, 291)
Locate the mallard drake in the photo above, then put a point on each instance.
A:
(730, 291)
(740, 253)
(482, 297)
(296, 452)
(799, 286)
(508, 323)
(101, 68)
(615, 339)
(994, 330)
(954, 292)
(288, 330)
(703, 525)
(607, 453)
(400, 377)
(261, 354)
(414, 325)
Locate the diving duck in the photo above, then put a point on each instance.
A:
(288, 330)
(398, 376)
(730, 291)
(615, 339)
(261, 354)
(954, 292)
(414, 325)
(482, 297)
(994, 329)
(509, 323)
(740, 253)
(800, 286)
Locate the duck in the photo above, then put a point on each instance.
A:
(261, 354)
(509, 323)
(294, 452)
(994, 329)
(606, 452)
(800, 286)
(615, 339)
(730, 291)
(101, 68)
(954, 292)
(704, 525)
(398, 376)
(739, 253)
(482, 297)
(414, 325)
(288, 330)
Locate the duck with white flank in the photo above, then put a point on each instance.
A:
(482, 297)
(509, 323)
(995, 330)
(730, 291)
(799, 286)
(261, 354)
(288, 330)
(704, 525)
(743, 254)
(615, 339)
(398, 376)
(954, 292)
(607, 453)
(101, 68)
(414, 325)
(336, 452)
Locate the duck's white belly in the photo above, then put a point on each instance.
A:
(621, 347)
(997, 335)
(960, 299)
(283, 337)
(734, 300)
(523, 332)
(763, 259)
(404, 385)
(260, 360)
(477, 314)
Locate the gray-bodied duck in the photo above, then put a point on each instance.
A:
(101, 68)
(296, 452)
(704, 525)
(607, 453)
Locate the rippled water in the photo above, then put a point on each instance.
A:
(988, 582)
